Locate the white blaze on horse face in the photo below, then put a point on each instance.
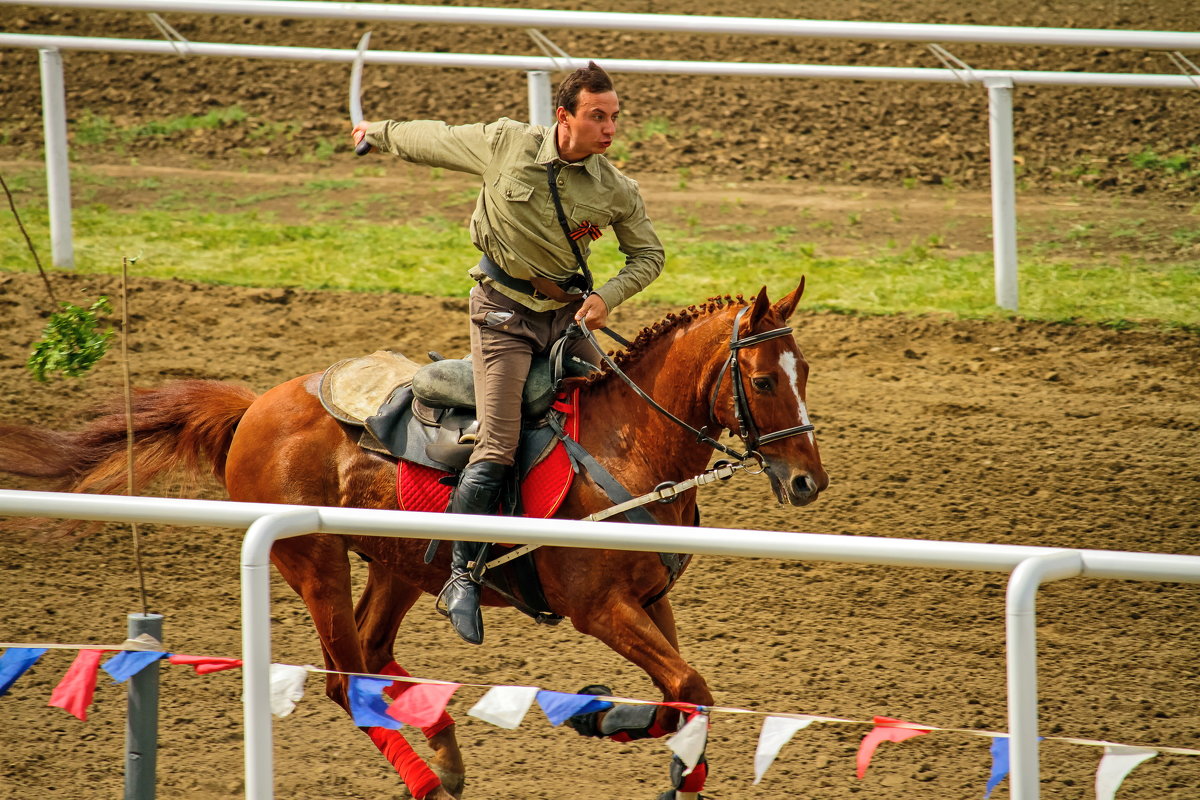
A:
(789, 363)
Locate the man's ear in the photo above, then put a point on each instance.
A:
(561, 114)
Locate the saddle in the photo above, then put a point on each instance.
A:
(424, 415)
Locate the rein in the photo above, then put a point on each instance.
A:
(747, 429)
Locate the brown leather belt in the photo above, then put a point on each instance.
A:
(536, 287)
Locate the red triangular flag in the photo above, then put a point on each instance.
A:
(884, 731)
(74, 692)
(422, 704)
(205, 665)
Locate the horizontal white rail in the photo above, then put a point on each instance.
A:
(621, 65)
(662, 23)
(575, 533)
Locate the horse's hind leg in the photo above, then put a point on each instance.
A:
(316, 568)
(380, 610)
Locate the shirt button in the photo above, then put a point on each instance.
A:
(561, 182)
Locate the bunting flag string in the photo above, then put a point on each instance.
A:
(74, 692)
(424, 701)
(15, 662)
(127, 663)
(775, 733)
(999, 751)
(886, 730)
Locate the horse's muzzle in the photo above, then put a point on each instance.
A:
(798, 489)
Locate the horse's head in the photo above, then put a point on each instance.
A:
(772, 375)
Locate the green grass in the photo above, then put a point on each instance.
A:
(431, 256)
(92, 128)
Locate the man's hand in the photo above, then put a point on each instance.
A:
(359, 131)
(593, 312)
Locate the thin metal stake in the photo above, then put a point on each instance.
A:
(129, 476)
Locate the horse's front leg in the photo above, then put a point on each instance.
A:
(647, 638)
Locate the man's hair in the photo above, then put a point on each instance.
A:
(591, 77)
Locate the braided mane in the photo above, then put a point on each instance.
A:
(649, 335)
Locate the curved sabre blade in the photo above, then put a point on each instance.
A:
(356, 115)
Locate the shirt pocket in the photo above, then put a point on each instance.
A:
(599, 217)
(512, 188)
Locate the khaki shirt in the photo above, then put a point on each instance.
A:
(514, 222)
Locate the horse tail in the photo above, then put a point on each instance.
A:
(176, 428)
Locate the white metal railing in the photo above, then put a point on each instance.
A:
(661, 23)
(1029, 567)
(999, 83)
(396, 58)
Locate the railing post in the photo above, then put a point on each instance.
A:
(256, 641)
(541, 100)
(58, 173)
(1021, 633)
(141, 719)
(1004, 194)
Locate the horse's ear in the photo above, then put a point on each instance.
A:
(787, 305)
(761, 306)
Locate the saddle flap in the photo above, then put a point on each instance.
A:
(354, 388)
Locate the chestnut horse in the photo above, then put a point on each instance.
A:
(283, 447)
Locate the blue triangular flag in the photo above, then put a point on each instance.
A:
(367, 705)
(999, 764)
(15, 662)
(127, 663)
(560, 707)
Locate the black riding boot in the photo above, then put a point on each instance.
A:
(478, 492)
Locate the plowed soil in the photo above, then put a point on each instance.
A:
(931, 428)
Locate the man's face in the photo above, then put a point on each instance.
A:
(593, 125)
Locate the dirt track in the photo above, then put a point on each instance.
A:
(1016, 432)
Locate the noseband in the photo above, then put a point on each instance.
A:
(747, 429)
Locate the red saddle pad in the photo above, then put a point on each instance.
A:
(418, 487)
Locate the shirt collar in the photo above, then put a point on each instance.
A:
(548, 153)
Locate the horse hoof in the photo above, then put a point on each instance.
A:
(670, 794)
(452, 782)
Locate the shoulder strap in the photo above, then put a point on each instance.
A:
(552, 177)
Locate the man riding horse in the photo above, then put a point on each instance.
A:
(546, 193)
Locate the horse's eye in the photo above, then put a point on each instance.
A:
(763, 384)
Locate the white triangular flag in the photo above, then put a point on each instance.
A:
(1119, 760)
(504, 705)
(776, 732)
(287, 687)
(689, 742)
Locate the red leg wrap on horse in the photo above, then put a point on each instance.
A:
(653, 732)
(394, 691)
(695, 781)
(415, 773)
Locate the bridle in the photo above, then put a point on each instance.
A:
(747, 429)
